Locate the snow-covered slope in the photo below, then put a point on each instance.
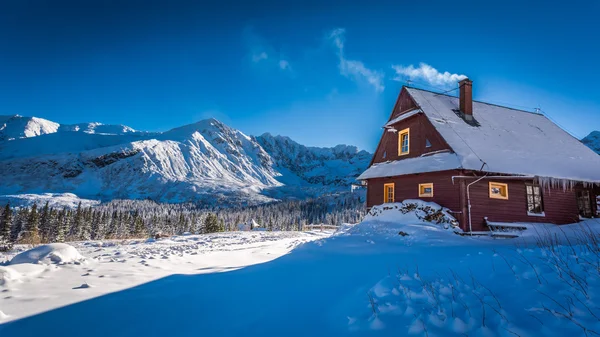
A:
(14, 127)
(206, 161)
(593, 141)
(97, 128)
(338, 165)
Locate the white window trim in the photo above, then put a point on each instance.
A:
(543, 214)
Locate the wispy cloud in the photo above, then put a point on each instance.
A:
(352, 68)
(284, 64)
(262, 52)
(426, 73)
(259, 57)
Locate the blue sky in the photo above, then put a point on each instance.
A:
(322, 73)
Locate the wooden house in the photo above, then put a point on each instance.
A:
(482, 161)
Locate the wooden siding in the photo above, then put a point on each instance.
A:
(404, 103)
(407, 187)
(560, 207)
(420, 130)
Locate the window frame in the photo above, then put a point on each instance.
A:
(541, 195)
(386, 196)
(400, 134)
(501, 186)
(422, 188)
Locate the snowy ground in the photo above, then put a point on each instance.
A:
(55, 200)
(365, 280)
(111, 266)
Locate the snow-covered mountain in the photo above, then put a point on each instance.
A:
(338, 165)
(205, 161)
(14, 127)
(593, 141)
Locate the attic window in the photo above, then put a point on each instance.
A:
(403, 142)
(427, 143)
(384, 154)
(498, 191)
(426, 190)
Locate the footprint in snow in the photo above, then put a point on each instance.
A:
(86, 274)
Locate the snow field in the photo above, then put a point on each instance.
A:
(43, 279)
(543, 284)
(363, 280)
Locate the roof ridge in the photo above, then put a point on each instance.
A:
(476, 101)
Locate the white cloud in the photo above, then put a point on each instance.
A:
(427, 73)
(284, 64)
(263, 54)
(353, 68)
(259, 57)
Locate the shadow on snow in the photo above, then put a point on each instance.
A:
(306, 292)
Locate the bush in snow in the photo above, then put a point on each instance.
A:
(52, 253)
(424, 211)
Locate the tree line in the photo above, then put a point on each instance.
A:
(122, 219)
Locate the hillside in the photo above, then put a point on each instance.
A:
(205, 161)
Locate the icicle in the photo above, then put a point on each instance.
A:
(564, 184)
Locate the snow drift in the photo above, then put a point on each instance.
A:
(59, 253)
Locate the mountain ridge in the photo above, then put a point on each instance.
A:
(205, 161)
(593, 141)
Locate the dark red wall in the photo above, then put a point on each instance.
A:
(404, 103)
(420, 129)
(560, 206)
(407, 187)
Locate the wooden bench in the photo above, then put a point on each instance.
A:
(505, 229)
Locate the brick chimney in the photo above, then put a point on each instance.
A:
(466, 98)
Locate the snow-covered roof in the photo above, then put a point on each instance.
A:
(507, 141)
(436, 162)
(402, 117)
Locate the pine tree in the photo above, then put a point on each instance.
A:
(45, 224)
(30, 233)
(62, 226)
(211, 223)
(139, 230)
(77, 225)
(19, 222)
(5, 235)
(221, 225)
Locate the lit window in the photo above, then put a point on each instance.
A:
(388, 193)
(426, 190)
(534, 199)
(427, 143)
(403, 142)
(498, 191)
